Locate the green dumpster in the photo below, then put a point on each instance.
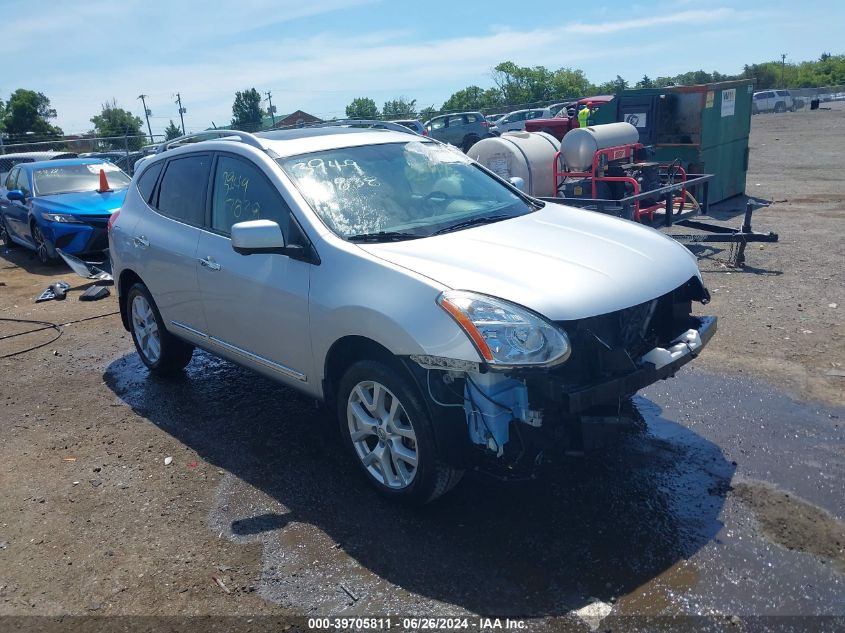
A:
(705, 126)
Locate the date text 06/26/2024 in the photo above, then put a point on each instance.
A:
(416, 624)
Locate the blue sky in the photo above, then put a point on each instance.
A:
(317, 55)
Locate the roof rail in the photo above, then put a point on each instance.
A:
(373, 123)
(208, 135)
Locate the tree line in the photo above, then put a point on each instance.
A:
(26, 116)
(528, 86)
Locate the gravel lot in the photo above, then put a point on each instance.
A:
(726, 500)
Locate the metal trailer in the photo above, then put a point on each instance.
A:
(681, 215)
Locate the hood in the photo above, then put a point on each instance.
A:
(562, 262)
(82, 203)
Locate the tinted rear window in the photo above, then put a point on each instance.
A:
(181, 194)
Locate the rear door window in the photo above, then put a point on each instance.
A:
(455, 121)
(181, 194)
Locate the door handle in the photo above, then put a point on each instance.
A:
(209, 263)
(141, 241)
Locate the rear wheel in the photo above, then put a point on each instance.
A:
(780, 106)
(159, 350)
(469, 141)
(388, 431)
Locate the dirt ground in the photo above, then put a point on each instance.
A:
(92, 521)
(782, 317)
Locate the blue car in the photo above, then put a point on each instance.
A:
(62, 204)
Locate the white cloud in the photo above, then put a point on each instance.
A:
(319, 73)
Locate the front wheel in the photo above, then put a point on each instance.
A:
(5, 236)
(159, 350)
(388, 431)
(42, 248)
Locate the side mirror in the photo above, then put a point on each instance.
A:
(16, 194)
(258, 236)
(517, 182)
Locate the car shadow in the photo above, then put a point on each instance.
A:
(27, 260)
(595, 527)
(735, 206)
(724, 257)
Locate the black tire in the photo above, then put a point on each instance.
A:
(432, 477)
(174, 354)
(42, 245)
(469, 141)
(4, 233)
(780, 106)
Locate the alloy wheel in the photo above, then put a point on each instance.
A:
(382, 434)
(4, 233)
(40, 245)
(145, 328)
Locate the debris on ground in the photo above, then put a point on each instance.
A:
(57, 291)
(85, 269)
(593, 613)
(168, 461)
(221, 584)
(94, 293)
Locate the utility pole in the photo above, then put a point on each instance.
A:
(782, 69)
(147, 114)
(271, 108)
(182, 111)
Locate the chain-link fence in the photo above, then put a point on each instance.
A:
(803, 98)
(78, 143)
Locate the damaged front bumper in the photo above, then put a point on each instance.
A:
(517, 417)
(658, 364)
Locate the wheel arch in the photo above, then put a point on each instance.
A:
(449, 424)
(126, 280)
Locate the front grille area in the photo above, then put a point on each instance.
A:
(609, 345)
(97, 221)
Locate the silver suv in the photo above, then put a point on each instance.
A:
(449, 320)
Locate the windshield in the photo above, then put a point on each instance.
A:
(408, 190)
(74, 178)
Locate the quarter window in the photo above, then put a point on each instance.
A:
(242, 193)
(181, 194)
(23, 183)
(148, 181)
(10, 180)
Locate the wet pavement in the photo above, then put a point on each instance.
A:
(678, 518)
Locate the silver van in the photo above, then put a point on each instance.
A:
(450, 321)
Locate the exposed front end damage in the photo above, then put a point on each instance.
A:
(515, 417)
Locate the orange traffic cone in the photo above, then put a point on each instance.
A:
(104, 182)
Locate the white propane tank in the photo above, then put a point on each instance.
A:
(527, 155)
(580, 145)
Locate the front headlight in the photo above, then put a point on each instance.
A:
(59, 217)
(506, 335)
